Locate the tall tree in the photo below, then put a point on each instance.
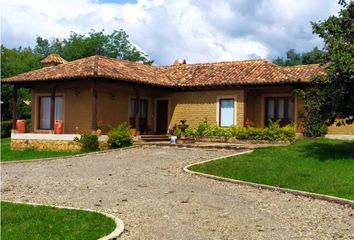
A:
(16, 61)
(115, 45)
(331, 97)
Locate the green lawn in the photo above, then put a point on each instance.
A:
(21, 221)
(8, 155)
(320, 166)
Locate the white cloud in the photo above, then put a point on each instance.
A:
(198, 30)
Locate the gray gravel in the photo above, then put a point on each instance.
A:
(147, 188)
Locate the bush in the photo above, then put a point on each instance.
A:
(88, 141)
(314, 127)
(272, 132)
(202, 128)
(6, 127)
(120, 136)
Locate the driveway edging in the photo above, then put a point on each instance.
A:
(69, 156)
(112, 236)
(337, 200)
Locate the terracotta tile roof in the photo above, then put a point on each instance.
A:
(53, 58)
(183, 75)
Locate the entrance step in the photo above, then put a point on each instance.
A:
(155, 138)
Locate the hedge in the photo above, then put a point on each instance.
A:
(273, 132)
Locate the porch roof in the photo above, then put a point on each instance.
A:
(249, 72)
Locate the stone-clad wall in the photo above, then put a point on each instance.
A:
(50, 145)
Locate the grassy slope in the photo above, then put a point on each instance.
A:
(321, 166)
(20, 221)
(8, 155)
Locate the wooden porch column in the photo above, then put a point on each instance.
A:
(52, 107)
(14, 107)
(137, 110)
(245, 103)
(94, 106)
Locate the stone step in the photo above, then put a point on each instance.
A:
(154, 138)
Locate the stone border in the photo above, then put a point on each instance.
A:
(339, 136)
(337, 200)
(112, 236)
(69, 156)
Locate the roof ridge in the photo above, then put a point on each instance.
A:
(123, 60)
(215, 63)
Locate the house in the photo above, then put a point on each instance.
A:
(97, 92)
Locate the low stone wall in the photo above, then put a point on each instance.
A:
(50, 142)
(45, 145)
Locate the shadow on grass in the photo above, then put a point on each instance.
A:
(330, 151)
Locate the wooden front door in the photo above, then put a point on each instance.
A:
(161, 116)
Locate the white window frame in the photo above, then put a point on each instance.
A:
(218, 108)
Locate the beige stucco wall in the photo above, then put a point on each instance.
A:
(195, 106)
(77, 105)
(112, 104)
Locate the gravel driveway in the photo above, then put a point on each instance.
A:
(147, 188)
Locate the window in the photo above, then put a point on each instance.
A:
(279, 109)
(226, 112)
(143, 106)
(44, 111)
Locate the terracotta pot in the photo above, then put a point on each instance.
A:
(59, 127)
(21, 126)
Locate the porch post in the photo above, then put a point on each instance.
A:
(14, 107)
(52, 107)
(245, 102)
(137, 110)
(94, 106)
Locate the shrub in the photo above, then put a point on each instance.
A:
(88, 141)
(272, 132)
(177, 132)
(191, 132)
(202, 128)
(314, 127)
(120, 136)
(6, 127)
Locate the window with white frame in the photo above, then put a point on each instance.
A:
(226, 112)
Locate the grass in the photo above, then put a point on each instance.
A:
(21, 221)
(8, 155)
(321, 166)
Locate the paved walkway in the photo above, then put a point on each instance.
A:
(147, 188)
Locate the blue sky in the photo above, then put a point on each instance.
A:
(196, 30)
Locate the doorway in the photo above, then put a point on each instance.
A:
(161, 116)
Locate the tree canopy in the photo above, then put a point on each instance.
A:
(331, 97)
(295, 58)
(20, 60)
(114, 45)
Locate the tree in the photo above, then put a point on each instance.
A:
(20, 60)
(330, 97)
(294, 58)
(13, 62)
(115, 45)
